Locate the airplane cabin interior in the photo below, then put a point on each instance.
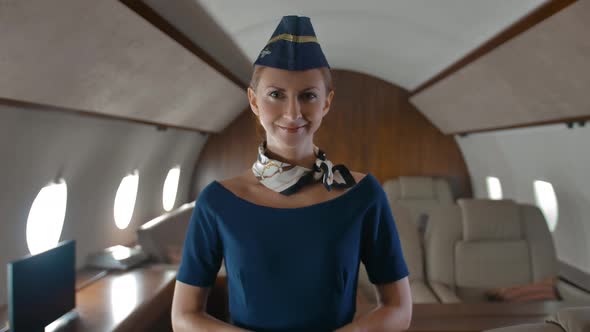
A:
(117, 117)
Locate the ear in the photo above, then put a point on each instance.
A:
(328, 103)
(252, 100)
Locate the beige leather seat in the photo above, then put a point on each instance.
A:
(420, 194)
(413, 254)
(162, 237)
(480, 244)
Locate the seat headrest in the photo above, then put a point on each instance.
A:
(417, 187)
(485, 219)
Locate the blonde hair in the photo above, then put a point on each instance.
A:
(326, 74)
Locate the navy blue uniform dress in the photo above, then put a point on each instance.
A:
(292, 269)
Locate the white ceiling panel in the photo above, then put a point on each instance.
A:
(99, 56)
(405, 42)
(541, 75)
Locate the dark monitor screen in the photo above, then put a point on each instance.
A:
(42, 288)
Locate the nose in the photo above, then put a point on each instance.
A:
(293, 111)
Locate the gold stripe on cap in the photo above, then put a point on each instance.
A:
(293, 38)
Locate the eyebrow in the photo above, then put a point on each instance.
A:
(281, 89)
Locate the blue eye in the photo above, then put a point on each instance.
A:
(274, 94)
(310, 95)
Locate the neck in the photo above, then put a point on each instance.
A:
(301, 155)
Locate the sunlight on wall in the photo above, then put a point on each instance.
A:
(46, 217)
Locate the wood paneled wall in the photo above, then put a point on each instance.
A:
(371, 128)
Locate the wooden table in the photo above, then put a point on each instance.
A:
(84, 277)
(3, 317)
(464, 317)
(125, 301)
(132, 300)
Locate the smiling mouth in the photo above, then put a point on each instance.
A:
(291, 128)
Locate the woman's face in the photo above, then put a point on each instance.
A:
(290, 105)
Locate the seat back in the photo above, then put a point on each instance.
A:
(163, 237)
(480, 244)
(410, 242)
(420, 194)
(411, 248)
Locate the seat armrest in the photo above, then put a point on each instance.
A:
(421, 293)
(444, 293)
(572, 294)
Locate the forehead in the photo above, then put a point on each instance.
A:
(291, 78)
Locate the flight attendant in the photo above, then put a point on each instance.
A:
(293, 229)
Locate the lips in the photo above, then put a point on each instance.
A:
(292, 128)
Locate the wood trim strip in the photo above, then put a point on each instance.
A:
(90, 280)
(30, 106)
(543, 12)
(143, 10)
(577, 119)
(465, 310)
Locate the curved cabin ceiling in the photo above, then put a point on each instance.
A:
(403, 42)
(102, 58)
(539, 76)
(105, 59)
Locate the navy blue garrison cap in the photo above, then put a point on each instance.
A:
(293, 46)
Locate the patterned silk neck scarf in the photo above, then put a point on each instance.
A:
(287, 179)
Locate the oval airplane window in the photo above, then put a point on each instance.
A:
(494, 187)
(170, 188)
(125, 200)
(46, 217)
(547, 202)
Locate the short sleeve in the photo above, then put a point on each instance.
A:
(202, 252)
(381, 249)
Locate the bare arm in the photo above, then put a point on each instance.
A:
(393, 314)
(188, 311)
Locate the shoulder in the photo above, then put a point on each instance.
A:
(240, 184)
(371, 187)
(369, 182)
(357, 176)
(215, 191)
